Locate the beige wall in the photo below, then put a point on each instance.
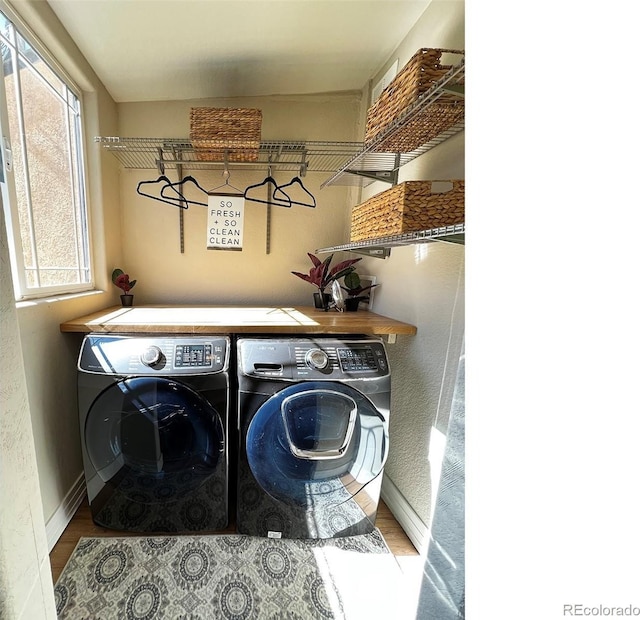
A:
(423, 285)
(151, 229)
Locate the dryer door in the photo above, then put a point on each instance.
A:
(153, 435)
(316, 439)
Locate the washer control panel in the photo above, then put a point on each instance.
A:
(193, 355)
(360, 359)
(313, 358)
(128, 355)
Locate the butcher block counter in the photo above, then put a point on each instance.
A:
(234, 320)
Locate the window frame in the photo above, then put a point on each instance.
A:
(78, 169)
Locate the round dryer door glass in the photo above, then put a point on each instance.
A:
(156, 432)
(312, 439)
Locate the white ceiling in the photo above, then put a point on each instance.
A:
(150, 50)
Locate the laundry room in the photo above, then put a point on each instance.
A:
(248, 312)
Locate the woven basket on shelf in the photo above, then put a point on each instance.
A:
(408, 207)
(235, 130)
(416, 78)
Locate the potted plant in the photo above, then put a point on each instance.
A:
(353, 287)
(321, 276)
(122, 281)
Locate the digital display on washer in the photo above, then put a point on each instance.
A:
(361, 359)
(193, 355)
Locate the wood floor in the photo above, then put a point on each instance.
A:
(83, 525)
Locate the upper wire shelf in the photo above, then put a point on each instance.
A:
(383, 166)
(169, 153)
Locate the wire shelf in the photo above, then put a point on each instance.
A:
(453, 234)
(369, 160)
(168, 153)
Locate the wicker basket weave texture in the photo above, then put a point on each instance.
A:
(416, 78)
(407, 207)
(234, 130)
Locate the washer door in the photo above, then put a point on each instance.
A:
(156, 431)
(314, 440)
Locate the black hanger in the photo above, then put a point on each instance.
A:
(187, 179)
(297, 181)
(274, 201)
(180, 202)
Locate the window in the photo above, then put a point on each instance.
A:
(42, 174)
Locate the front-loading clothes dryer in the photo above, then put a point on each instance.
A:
(153, 424)
(313, 420)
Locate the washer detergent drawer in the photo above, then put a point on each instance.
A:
(312, 437)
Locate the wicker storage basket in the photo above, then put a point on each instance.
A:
(407, 207)
(415, 78)
(235, 130)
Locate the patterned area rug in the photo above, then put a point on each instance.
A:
(229, 576)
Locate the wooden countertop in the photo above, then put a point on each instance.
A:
(234, 320)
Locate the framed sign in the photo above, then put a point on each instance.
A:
(225, 222)
(364, 282)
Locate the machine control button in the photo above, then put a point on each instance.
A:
(151, 356)
(316, 359)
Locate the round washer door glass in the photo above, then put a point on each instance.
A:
(316, 439)
(155, 429)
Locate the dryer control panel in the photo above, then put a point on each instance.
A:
(154, 355)
(314, 358)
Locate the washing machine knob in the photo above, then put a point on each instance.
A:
(151, 356)
(317, 359)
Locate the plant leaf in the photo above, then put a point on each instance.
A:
(343, 265)
(342, 273)
(324, 281)
(304, 276)
(352, 280)
(115, 274)
(314, 259)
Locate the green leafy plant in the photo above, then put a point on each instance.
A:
(353, 286)
(121, 280)
(321, 276)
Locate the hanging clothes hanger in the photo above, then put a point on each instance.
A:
(297, 181)
(277, 202)
(180, 201)
(186, 180)
(191, 180)
(226, 185)
(268, 182)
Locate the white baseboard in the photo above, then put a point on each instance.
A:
(406, 516)
(61, 517)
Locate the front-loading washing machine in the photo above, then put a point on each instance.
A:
(313, 421)
(154, 431)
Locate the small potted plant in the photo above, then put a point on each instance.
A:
(122, 281)
(321, 276)
(353, 287)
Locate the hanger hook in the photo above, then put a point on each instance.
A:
(226, 174)
(159, 162)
